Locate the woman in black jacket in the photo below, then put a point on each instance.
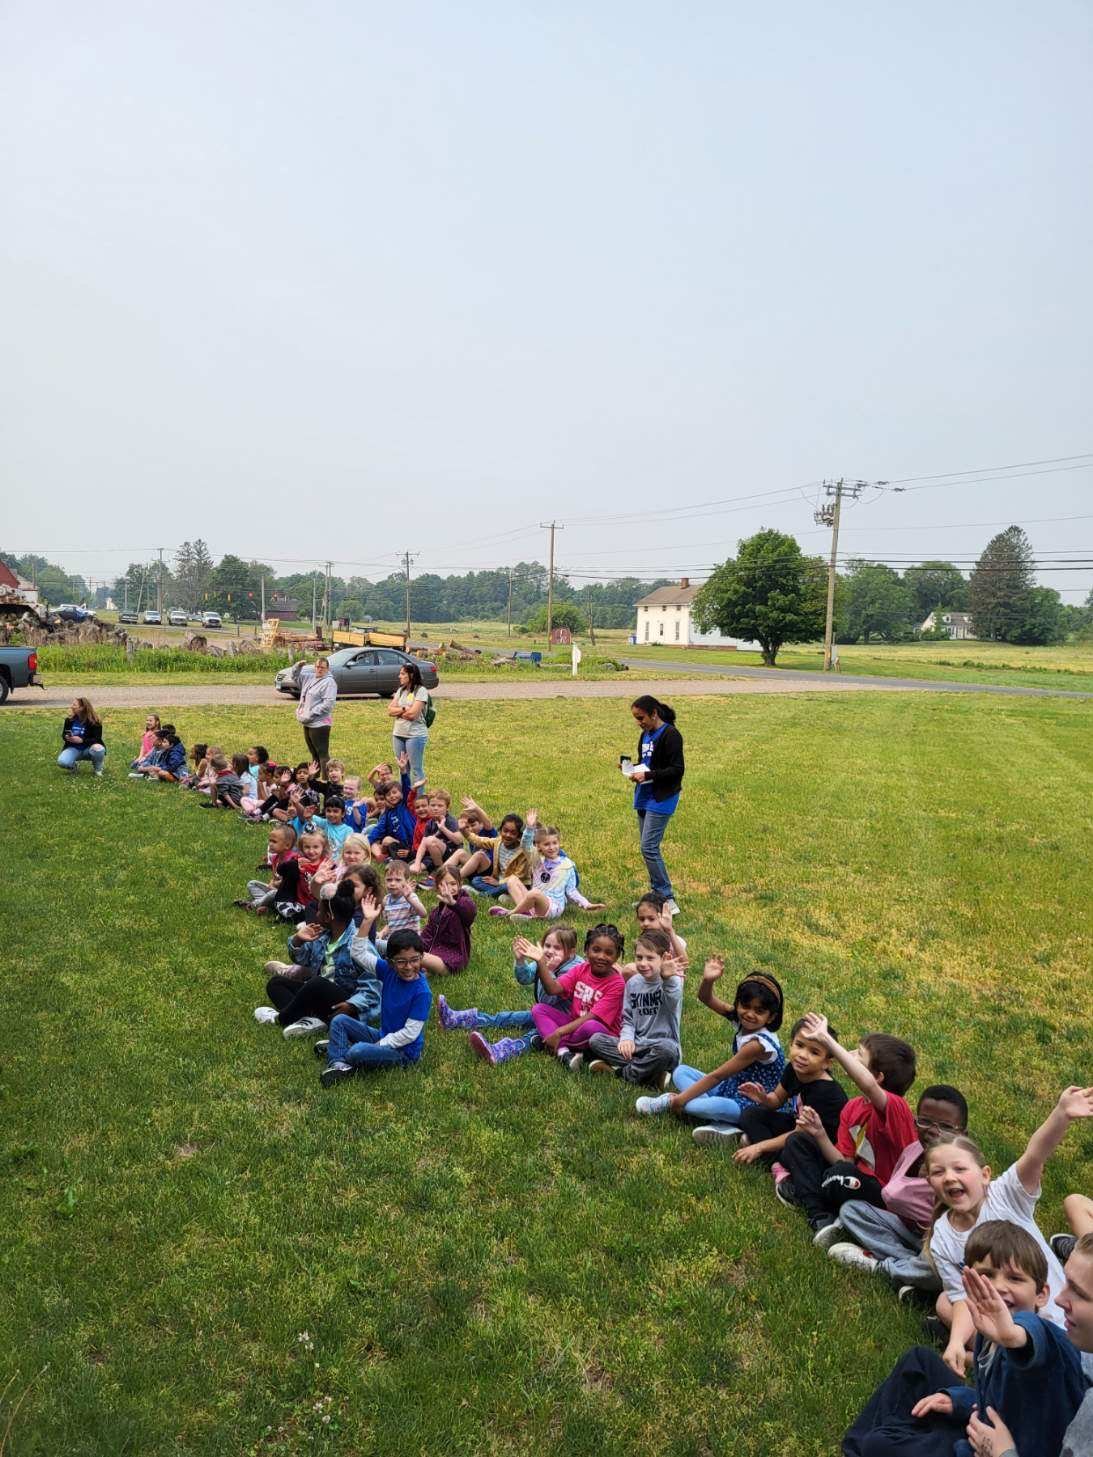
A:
(82, 737)
(658, 775)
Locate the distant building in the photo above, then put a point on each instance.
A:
(12, 583)
(282, 606)
(958, 623)
(665, 617)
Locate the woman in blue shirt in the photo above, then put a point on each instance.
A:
(658, 779)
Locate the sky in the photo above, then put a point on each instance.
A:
(347, 280)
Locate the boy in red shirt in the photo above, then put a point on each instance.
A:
(874, 1129)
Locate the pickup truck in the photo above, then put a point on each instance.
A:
(18, 667)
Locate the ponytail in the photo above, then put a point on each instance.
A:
(648, 704)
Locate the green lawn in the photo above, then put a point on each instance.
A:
(1069, 667)
(503, 1261)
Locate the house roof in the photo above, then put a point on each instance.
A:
(7, 577)
(675, 596)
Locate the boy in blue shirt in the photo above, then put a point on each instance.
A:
(1024, 1367)
(404, 1010)
(393, 832)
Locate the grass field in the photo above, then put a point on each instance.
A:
(1069, 667)
(206, 1254)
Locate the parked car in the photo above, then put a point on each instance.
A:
(176, 617)
(128, 615)
(17, 669)
(70, 612)
(211, 619)
(358, 670)
(151, 615)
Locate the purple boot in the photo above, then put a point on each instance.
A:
(450, 1019)
(502, 1051)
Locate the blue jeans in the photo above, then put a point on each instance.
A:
(651, 827)
(70, 757)
(707, 1105)
(355, 1043)
(522, 1020)
(481, 886)
(415, 747)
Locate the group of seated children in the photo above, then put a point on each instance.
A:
(898, 1193)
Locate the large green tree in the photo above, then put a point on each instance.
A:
(934, 585)
(877, 603)
(771, 593)
(1043, 620)
(233, 587)
(998, 592)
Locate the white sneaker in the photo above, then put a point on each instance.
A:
(647, 1106)
(824, 1238)
(278, 968)
(265, 1015)
(711, 1134)
(304, 1027)
(853, 1256)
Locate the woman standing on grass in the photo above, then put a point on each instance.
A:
(409, 731)
(82, 738)
(658, 779)
(315, 711)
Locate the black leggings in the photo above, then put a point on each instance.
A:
(318, 744)
(759, 1124)
(824, 1188)
(294, 999)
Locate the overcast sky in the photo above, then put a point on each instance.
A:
(338, 280)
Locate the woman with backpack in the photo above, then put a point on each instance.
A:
(411, 712)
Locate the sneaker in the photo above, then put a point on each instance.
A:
(135, 775)
(935, 1330)
(481, 1048)
(820, 1222)
(337, 1072)
(243, 905)
(497, 911)
(1062, 1246)
(851, 1255)
(426, 883)
(98, 773)
(828, 1234)
(265, 1015)
(671, 908)
(319, 1048)
(278, 968)
(906, 1294)
(709, 1135)
(304, 1027)
(566, 1056)
(785, 1193)
(597, 1065)
(649, 1106)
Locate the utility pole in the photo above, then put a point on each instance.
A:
(328, 606)
(552, 527)
(508, 610)
(830, 515)
(159, 585)
(313, 604)
(407, 558)
(262, 584)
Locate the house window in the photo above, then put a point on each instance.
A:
(677, 629)
(646, 629)
(661, 625)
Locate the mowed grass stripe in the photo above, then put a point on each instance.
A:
(489, 1262)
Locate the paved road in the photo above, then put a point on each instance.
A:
(150, 694)
(802, 676)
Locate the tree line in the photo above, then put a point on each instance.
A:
(771, 593)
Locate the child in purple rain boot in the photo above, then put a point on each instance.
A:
(561, 948)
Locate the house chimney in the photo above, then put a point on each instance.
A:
(684, 582)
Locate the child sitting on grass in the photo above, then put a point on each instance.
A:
(199, 775)
(584, 1000)
(718, 1097)
(402, 906)
(559, 948)
(314, 863)
(277, 805)
(262, 894)
(441, 837)
(404, 1011)
(961, 1180)
(229, 783)
(553, 881)
(147, 739)
(647, 1047)
(651, 915)
(890, 1240)
(1026, 1371)
(333, 822)
(874, 1129)
(447, 934)
(489, 861)
(765, 1124)
(167, 761)
(392, 836)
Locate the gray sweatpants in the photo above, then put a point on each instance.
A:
(651, 1060)
(260, 893)
(897, 1247)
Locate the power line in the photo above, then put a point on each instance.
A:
(1014, 465)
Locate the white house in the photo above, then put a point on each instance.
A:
(958, 623)
(664, 617)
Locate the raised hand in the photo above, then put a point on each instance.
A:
(989, 1312)
(404, 761)
(815, 1026)
(370, 907)
(714, 968)
(528, 950)
(808, 1121)
(531, 819)
(1076, 1102)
